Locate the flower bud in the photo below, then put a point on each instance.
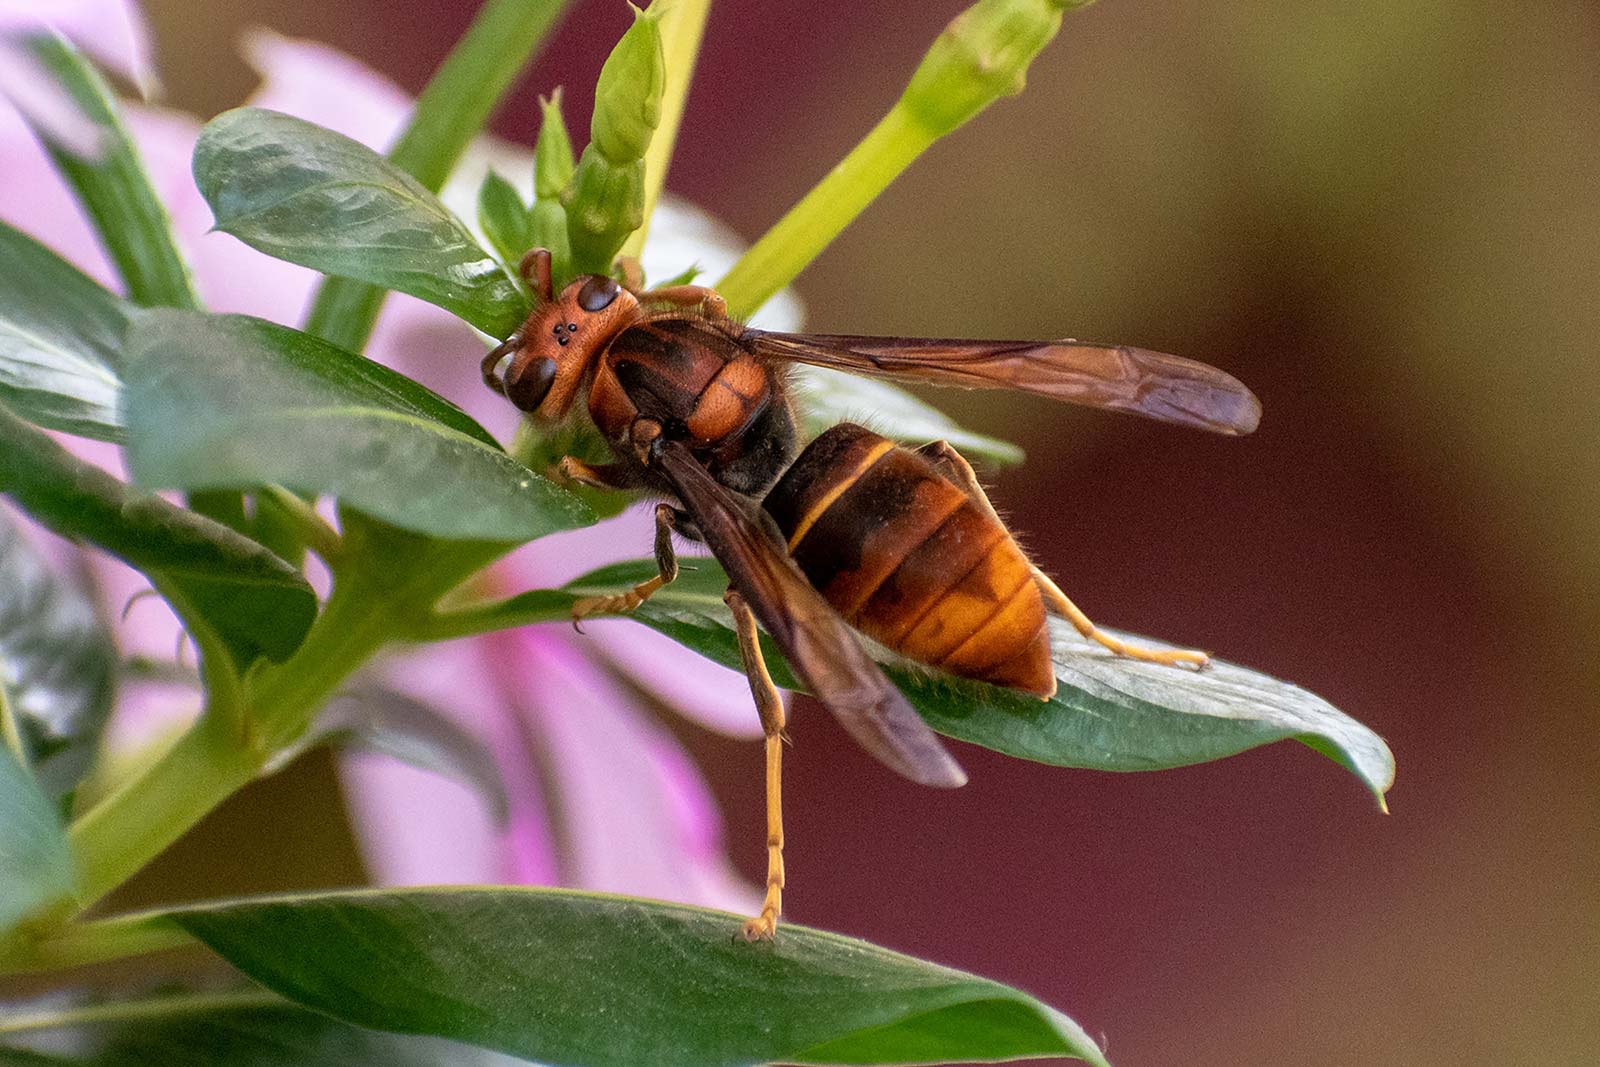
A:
(982, 55)
(605, 199)
(627, 98)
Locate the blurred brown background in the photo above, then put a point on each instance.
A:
(1385, 217)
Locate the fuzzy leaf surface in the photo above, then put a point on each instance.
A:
(230, 402)
(35, 863)
(581, 978)
(1109, 713)
(61, 337)
(256, 603)
(303, 193)
(252, 1029)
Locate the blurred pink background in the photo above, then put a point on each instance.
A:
(1382, 216)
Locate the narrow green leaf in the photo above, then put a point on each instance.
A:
(246, 1029)
(504, 219)
(451, 111)
(57, 663)
(458, 99)
(1109, 713)
(35, 864)
(553, 162)
(302, 193)
(113, 187)
(259, 605)
(582, 978)
(227, 401)
(60, 341)
(829, 397)
(552, 170)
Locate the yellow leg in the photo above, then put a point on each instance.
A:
(1056, 599)
(953, 465)
(770, 706)
(574, 471)
(666, 560)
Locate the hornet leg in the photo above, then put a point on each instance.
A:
(666, 561)
(770, 707)
(689, 296)
(954, 466)
(535, 269)
(613, 476)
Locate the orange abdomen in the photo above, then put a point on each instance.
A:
(909, 560)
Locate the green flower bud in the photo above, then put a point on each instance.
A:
(981, 56)
(627, 98)
(552, 152)
(605, 203)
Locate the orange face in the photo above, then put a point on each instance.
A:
(545, 362)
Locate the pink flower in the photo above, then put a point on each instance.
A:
(600, 795)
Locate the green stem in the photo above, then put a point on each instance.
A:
(394, 577)
(79, 944)
(982, 55)
(812, 224)
(214, 758)
(451, 110)
(131, 826)
(309, 528)
(462, 93)
(682, 27)
(8, 727)
(164, 1007)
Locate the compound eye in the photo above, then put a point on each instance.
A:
(598, 293)
(527, 388)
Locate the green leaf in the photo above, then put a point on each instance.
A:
(829, 397)
(302, 193)
(57, 663)
(113, 187)
(553, 163)
(504, 219)
(582, 978)
(227, 401)
(248, 1029)
(35, 864)
(1110, 712)
(257, 604)
(60, 341)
